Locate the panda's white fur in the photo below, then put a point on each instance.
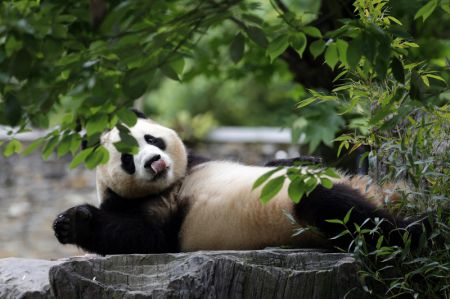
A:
(226, 214)
(206, 206)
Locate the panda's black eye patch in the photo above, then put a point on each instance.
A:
(158, 142)
(128, 163)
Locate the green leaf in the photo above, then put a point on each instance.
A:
(311, 182)
(296, 189)
(321, 125)
(97, 157)
(127, 143)
(298, 42)
(445, 7)
(306, 102)
(425, 80)
(97, 124)
(64, 145)
(345, 232)
(379, 115)
(363, 158)
(75, 143)
(237, 47)
(127, 116)
(170, 72)
(105, 154)
(312, 31)
(337, 221)
(436, 77)
(347, 216)
(49, 147)
(12, 45)
(331, 55)
(354, 52)
(380, 241)
(257, 35)
(134, 83)
(397, 70)
(33, 146)
(316, 48)
(331, 173)
(265, 177)
(253, 18)
(272, 188)
(80, 157)
(343, 144)
(342, 47)
(277, 47)
(124, 148)
(178, 65)
(426, 10)
(128, 139)
(13, 147)
(327, 183)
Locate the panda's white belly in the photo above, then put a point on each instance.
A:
(225, 213)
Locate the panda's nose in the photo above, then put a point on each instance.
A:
(148, 164)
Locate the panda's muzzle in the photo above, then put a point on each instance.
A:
(156, 164)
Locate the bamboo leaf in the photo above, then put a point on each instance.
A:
(425, 11)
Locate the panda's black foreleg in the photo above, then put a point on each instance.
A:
(326, 204)
(102, 232)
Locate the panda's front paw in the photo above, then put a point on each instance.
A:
(74, 225)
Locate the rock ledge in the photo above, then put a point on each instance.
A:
(270, 273)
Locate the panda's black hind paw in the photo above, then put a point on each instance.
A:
(74, 225)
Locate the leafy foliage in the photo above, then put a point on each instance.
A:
(401, 111)
(302, 181)
(60, 64)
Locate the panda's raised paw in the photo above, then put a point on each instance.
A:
(73, 226)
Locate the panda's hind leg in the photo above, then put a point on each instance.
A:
(327, 204)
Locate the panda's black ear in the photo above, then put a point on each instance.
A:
(138, 113)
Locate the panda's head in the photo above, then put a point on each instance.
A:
(160, 162)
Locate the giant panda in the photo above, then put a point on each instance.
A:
(164, 200)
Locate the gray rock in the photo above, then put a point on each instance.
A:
(272, 273)
(25, 278)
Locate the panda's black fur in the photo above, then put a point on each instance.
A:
(124, 225)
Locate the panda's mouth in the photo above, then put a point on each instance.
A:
(160, 175)
(156, 167)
